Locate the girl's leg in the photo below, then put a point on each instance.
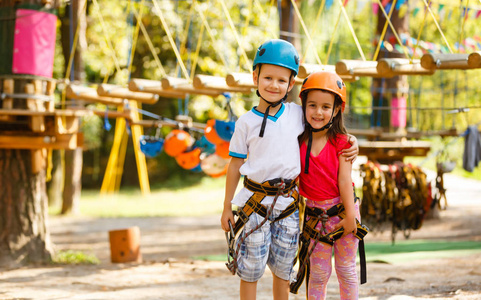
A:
(345, 263)
(320, 271)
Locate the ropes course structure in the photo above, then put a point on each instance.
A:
(123, 98)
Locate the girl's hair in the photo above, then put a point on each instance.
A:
(337, 126)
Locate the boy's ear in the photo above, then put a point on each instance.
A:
(292, 81)
(254, 76)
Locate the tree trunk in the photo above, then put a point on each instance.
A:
(73, 158)
(289, 31)
(24, 235)
(55, 185)
(391, 92)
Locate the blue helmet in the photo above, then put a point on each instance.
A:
(278, 52)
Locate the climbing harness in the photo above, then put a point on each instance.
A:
(310, 233)
(396, 195)
(276, 188)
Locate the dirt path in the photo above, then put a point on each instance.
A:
(170, 272)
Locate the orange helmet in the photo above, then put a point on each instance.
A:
(176, 142)
(327, 81)
(222, 149)
(189, 160)
(211, 134)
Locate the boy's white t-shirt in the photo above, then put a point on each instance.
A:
(276, 155)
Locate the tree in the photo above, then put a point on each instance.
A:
(24, 235)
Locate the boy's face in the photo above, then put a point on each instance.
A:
(273, 82)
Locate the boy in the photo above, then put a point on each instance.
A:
(265, 149)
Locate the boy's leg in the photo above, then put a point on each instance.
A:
(282, 252)
(280, 288)
(248, 290)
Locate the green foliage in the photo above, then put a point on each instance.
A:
(71, 257)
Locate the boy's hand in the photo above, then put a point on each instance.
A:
(227, 216)
(352, 152)
(349, 225)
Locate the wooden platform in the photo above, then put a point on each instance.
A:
(390, 151)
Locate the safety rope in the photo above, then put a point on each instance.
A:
(388, 20)
(109, 42)
(353, 33)
(333, 34)
(321, 8)
(384, 29)
(149, 43)
(209, 31)
(171, 40)
(263, 16)
(236, 36)
(428, 7)
(186, 35)
(311, 43)
(419, 33)
(464, 22)
(197, 51)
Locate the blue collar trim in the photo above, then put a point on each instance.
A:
(272, 118)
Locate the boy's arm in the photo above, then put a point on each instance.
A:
(347, 197)
(232, 180)
(351, 153)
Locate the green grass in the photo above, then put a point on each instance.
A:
(202, 198)
(70, 257)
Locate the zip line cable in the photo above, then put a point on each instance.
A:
(353, 33)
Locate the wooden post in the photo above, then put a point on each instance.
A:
(115, 91)
(218, 84)
(183, 85)
(90, 95)
(390, 67)
(8, 88)
(474, 59)
(240, 80)
(50, 105)
(37, 123)
(433, 61)
(307, 69)
(153, 86)
(357, 68)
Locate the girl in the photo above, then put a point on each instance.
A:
(325, 181)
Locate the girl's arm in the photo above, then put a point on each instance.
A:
(347, 197)
(351, 153)
(232, 180)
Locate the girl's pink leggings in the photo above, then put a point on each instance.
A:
(344, 255)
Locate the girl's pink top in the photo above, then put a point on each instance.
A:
(321, 183)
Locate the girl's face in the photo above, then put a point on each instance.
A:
(274, 82)
(319, 108)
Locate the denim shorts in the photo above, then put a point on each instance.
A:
(274, 244)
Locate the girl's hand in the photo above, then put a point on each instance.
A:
(227, 216)
(349, 225)
(351, 153)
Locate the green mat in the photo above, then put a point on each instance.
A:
(402, 251)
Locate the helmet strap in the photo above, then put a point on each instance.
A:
(309, 143)
(266, 113)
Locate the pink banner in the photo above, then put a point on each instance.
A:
(34, 43)
(398, 112)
